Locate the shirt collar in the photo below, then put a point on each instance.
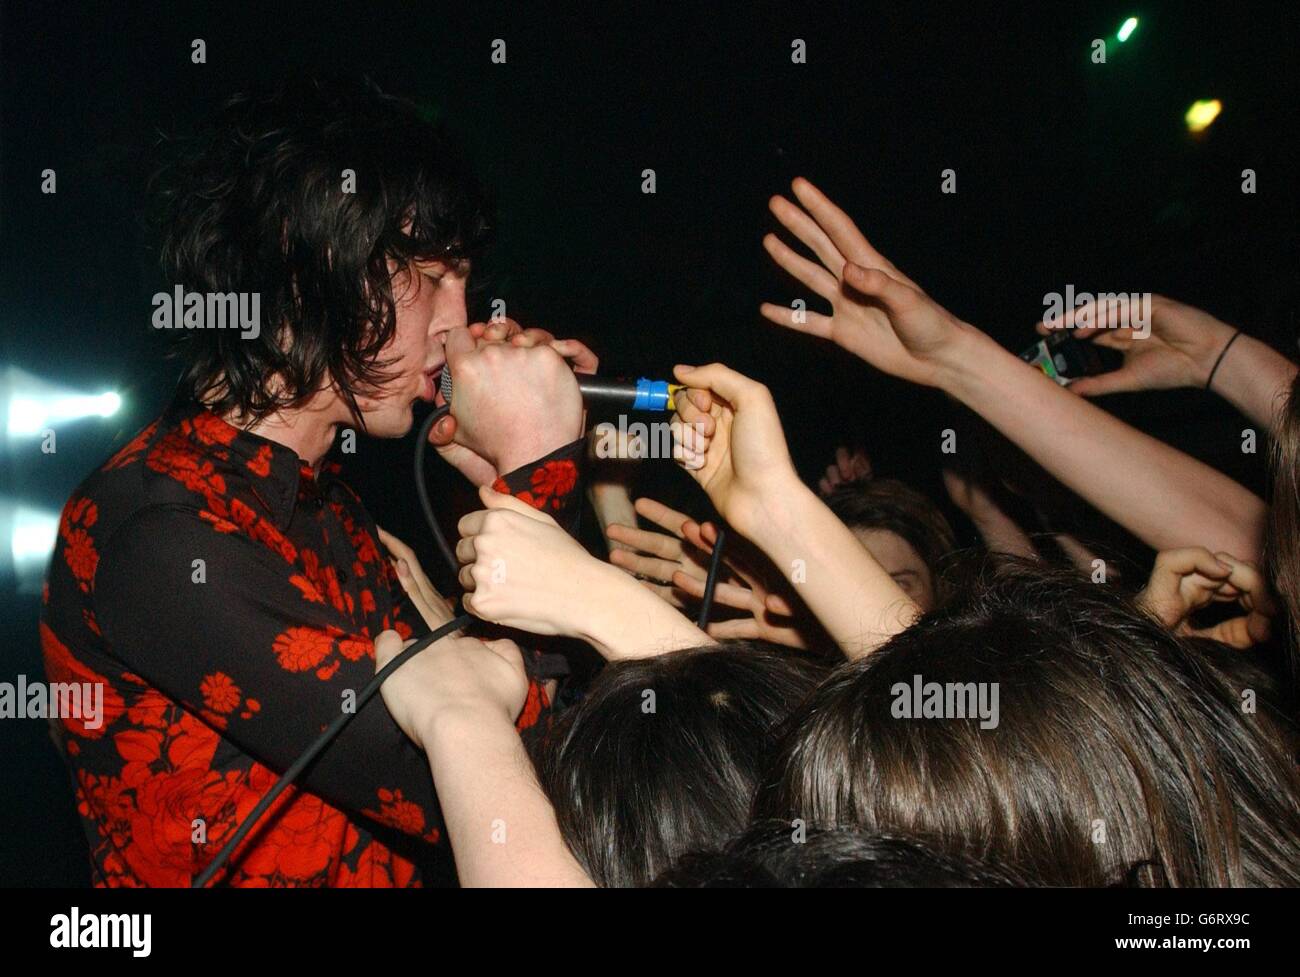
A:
(273, 472)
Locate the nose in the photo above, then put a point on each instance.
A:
(450, 312)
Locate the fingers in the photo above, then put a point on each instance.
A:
(735, 387)
(388, 645)
(471, 524)
(656, 544)
(443, 432)
(1086, 319)
(798, 320)
(459, 344)
(533, 336)
(811, 275)
(579, 355)
(504, 500)
(1191, 559)
(701, 398)
(468, 584)
(738, 629)
(1246, 578)
(395, 545)
(725, 594)
(645, 566)
(777, 604)
(842, 231)
(798, 223)
(661, 515)
(700, 423)
(495, 330)
(813, 323)
(1115, 382)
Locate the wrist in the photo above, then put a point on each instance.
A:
(777, 512)
(613, 598)
(629, 621)
(1214, 338)
(529, 448)
(453, 725)
(960, 367)
(971, 371)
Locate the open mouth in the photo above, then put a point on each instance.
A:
(430, 391)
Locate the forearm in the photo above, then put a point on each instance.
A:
(502, 828)
(1076, 552)
(1255, 379)
(1001, 533)
(612, 504)
(1163, 496)
(622, 619)
(856, 601)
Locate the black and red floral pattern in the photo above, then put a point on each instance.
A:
(225, 595)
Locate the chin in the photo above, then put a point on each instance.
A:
(396, 424)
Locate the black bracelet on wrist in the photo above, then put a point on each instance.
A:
(1222, 353)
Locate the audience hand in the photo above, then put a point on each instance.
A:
(735, 449)
(1185, 580)
(453, 677)
(878, 313)
(850, 466)
(1179, 351)
(431, 605)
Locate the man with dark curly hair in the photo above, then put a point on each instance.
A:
(215, 576)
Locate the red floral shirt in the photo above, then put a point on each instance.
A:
(225, 595)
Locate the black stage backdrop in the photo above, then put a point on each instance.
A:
(1067, 172)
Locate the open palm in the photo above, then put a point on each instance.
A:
(877, 313)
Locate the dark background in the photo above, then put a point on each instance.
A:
(1067, 172)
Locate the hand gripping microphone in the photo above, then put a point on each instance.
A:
(609, 392)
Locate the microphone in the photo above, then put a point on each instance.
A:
(609, 392)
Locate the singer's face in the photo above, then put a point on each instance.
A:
(430, 300)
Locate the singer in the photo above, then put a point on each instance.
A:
(216, 575)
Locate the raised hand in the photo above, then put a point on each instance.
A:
(1185, 580)
(735, 448)
(877, 313)
(848, 467)
(1175, 347)
(771, 616)
(654, 557)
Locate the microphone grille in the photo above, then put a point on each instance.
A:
(445, 384)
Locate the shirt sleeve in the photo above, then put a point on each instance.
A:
(553, 485)
(550, 484)
(207, 616)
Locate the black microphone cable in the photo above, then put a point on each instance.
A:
(319, 744)
(334, 728)
(422, 488)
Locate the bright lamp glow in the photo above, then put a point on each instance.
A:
(1126, 29)
(32, 539)
(29, 415)
(1202, 113)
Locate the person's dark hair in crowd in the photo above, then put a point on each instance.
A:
(1111, 744)
(905, 532)
(663, 754)
(263, 203)
(769, 856)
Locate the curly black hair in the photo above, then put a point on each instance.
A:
(259, 203)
